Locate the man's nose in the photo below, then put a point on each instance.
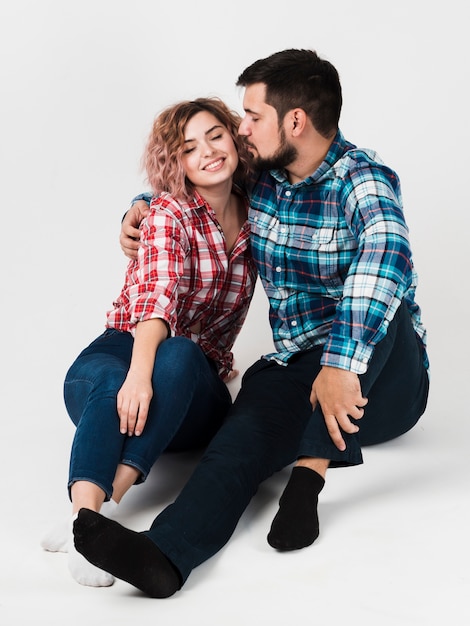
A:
(243, 129)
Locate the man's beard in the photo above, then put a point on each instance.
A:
(284, 156)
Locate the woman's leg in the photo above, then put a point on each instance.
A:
(125, 477)
(79, 391)
(90, 391)
(188, 406)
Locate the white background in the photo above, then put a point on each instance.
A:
(80, 85)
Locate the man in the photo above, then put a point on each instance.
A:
(331, 246)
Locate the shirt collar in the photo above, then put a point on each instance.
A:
(198, 202)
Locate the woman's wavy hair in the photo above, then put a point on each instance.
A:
(162, 157)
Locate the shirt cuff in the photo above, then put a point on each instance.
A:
(146, 197)
(347, 354)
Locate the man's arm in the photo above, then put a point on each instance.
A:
(377, 280)
(381, 273)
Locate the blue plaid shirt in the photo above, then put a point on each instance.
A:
(334, 257)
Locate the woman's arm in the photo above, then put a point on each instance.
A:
(133, 399)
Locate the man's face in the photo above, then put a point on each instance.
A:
(266, 142)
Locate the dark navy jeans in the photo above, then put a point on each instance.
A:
(396, 385)
(270, 424)
(188, 406)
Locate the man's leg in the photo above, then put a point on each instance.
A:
(261, 435)
(296, 523)
(396, 385)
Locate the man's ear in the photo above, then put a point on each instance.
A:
(296, 121)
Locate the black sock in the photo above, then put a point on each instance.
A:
(128, 555)
(296, 525)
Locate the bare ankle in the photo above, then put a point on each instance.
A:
(318, 465)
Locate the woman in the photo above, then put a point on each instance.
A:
(155, 379)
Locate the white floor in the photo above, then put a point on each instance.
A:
(393, 548)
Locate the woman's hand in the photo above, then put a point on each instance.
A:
(135, 395)
(133, 401)
(231, 375)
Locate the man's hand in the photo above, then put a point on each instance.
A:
(338, 392)
(130, 233)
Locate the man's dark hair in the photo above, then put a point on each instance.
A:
(299, 79)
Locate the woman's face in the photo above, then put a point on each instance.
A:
(210, 156)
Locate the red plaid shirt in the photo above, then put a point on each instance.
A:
(184, 276)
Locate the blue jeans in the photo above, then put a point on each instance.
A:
(270, 424)
(189, 404)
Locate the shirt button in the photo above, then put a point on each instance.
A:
(288, 193)
(283, 229)
(364, 360)
(293, 323)
(278, 268)
(385, 322)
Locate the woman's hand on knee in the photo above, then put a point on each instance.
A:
(133, 401)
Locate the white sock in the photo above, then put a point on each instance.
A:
(82, 570)
(57, 538)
